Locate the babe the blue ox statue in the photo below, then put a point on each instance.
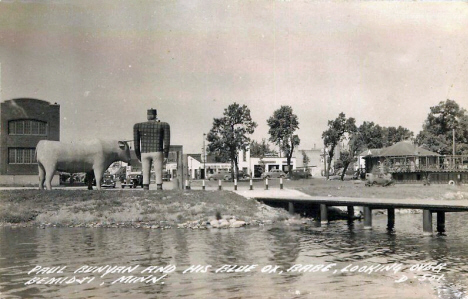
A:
(94, 155)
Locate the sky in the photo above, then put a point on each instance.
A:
(107, 62)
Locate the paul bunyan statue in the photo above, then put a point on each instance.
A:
(152, 141)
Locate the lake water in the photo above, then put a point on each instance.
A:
(336, 245)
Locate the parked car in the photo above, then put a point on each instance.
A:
(226, 175)
(223, 175)
(243, 175)
(133, 180)
(166, 176)
(300, 173)
(108, 181)
(381, 179)
(274, 173)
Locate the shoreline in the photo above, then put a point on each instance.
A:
(135, 209)
(191, 209)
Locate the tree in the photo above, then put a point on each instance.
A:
(282, 125)
(371, 135)
(336, 133)
(261, 149)
(305, 160)
(355, 146)
(394, 135)
(375, 136)
(442, 121)
(229, 134)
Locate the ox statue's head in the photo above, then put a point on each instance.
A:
(124, 153)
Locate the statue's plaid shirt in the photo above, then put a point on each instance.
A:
(155, 136)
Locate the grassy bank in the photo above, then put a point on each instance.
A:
(319, 187)
(76, 208)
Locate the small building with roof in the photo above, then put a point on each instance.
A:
(408, 162)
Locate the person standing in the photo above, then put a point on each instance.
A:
(152, 141)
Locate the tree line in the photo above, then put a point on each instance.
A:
(231, 133)
(445, 125)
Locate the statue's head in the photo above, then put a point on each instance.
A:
(152, 113)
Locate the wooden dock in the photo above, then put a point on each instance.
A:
(292, 197)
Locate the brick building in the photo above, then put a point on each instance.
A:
(23, 123)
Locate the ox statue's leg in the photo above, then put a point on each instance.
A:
(41, 175)
(49, 175)
(89, 179)
(98, 173)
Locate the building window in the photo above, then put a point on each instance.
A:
(22, 156)
(244, 156)
(27, 127)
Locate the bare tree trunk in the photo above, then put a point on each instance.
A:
(232, 167)
(345, 168)
(330, 158)
(236, 169)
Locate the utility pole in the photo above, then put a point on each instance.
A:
(453, 141)
(204, 157)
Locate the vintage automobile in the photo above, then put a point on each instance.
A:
(380, 179)
(274, 173)
(133, 180)
(108, 181)
(222, 175)
(300, 174)
(226, 175)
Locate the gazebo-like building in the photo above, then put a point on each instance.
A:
(408, 162)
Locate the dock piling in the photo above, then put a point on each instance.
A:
(390, 219)
(350, 213)
(266, 184)
(235, 184)
(219, 185)
(203, 185)
(427, 222)
(367, 218)
(323, 214)
(441, 222)
(251, 185)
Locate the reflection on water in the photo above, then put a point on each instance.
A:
(21, 249)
